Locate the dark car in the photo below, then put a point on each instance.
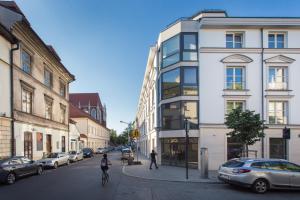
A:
(88, 153)
(16, 167)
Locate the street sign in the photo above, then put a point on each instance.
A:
(136, 133)
(286, 133)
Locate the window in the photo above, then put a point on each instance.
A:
(190, 81)
(235, 78)
(48, 78)
(62, 88)
(171, 116)
(190, 47)
(190, 111)
(26, 62)
(48, 108)
(276, 40)
(230, 105)
(171, 51)
(63, 143)
(171, 83)
(62, 114)
(94, 113)
(277, 78)
(234, 40)
(26, 101)
(277, 112)
(26, 161)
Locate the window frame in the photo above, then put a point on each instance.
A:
(62, 83)
(234, 77)
(30, 61)
(285, 112)
(30, 91)
(48, 101)
(173, 52)
(234, 33)
(276, 40)
(234, 104)
(285, 77)
(50, 86)
(183, 50)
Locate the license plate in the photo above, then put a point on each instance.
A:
(224, 176)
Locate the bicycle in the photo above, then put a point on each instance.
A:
(105, 178)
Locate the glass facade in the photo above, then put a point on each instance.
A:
(173, 152)
(171, 83)
(171, 51)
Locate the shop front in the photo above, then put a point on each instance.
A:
(173, 152)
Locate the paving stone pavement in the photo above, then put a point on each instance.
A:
(166, 173)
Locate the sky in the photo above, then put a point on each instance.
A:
(105, 43)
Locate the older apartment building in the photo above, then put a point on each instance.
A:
(89, 114)
(40, 90)
(204, 66)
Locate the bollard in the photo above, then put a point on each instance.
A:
(204, 162)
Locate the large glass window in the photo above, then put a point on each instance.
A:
(277, 112)
(171, 83)
(235, 78)
(26, 62)
(276, 40)
(183, 79)
(189, 47)
(171, 116)
(26, 101)
(173, 152)
(171, 51)
(190, 111)
(277, 78)
(234, 40)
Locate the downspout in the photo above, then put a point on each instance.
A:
(13, 153)
(262, 90)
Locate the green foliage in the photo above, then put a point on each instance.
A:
(122, 138)
(247, 128)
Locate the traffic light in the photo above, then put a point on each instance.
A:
(286, 133)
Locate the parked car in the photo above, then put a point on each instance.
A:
(75, 156)
(55, 159)
(101, 151)
(88, 153)
(261, 174)
(126, 153)
(16, 167)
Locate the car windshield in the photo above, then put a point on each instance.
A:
(72, 152)
(52, 155)
(233, 163)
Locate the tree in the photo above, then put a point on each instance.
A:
(113, 136)
(247, 127)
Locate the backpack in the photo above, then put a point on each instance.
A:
(103, 162)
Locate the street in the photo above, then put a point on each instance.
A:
(82, 181)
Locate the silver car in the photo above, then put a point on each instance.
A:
(75, 156)
(55, 159)
(261, 174)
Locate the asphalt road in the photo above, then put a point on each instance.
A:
(81, 181)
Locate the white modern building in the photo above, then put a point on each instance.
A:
(204, 66)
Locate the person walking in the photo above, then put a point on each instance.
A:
(153, 159)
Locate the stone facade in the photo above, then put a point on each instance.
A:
(5, 137)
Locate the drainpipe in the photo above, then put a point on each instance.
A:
(262, 90)
(13, 153)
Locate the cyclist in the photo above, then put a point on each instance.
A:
(104, 163)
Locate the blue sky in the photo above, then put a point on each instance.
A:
(105, 43)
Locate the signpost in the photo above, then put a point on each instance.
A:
(286, 135)
(136, 134)
(187, 128)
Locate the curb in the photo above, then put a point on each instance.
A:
(167, 180)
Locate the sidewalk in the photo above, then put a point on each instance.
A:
(166, 173)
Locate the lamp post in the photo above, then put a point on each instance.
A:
(129, 125)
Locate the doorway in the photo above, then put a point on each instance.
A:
(28, 145)
(48, 144)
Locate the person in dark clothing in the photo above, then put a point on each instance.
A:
(153, 159)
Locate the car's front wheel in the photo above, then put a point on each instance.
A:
(39, 170)
(260, 186)
(11, 178)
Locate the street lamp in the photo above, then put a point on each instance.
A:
(129, 124)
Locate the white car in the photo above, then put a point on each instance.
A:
(101, 151)
(75, 156)
(55, 159)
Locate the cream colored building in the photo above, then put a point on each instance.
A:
(40, 90)
(7, 41)
(204, 66)
(93, 134)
